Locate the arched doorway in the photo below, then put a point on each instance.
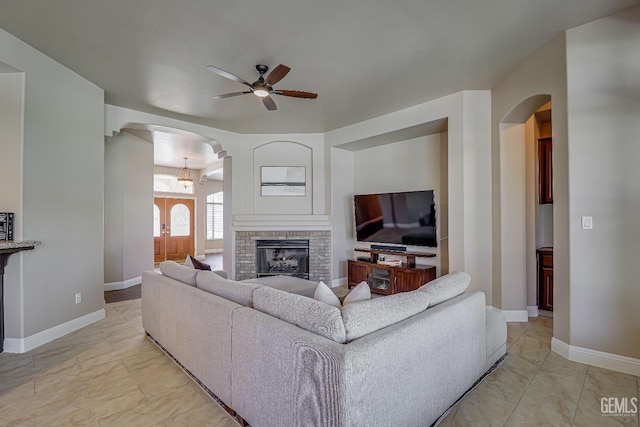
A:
(526, 224)
(129, 199)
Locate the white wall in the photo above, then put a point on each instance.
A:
(62, 195)
(603, 73)
(252, 151)
(128, 227)
(513, 213)
(342, 220)
(283, 153)
(11, 113)
(11, 106)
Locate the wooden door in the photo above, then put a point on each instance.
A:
(173, 229)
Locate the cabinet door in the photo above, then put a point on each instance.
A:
(545, 171)
(358, 272)
(380, 280)
(546, 289)
(409, 279)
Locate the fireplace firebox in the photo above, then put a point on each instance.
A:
(282, 258)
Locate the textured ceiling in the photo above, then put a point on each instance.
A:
(364, 58)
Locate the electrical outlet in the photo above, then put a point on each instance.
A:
(78, 298)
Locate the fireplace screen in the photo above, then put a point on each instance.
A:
(282, 258)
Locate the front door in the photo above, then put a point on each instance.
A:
(173, 229)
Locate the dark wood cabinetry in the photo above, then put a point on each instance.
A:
(545, 171)
(545, 278)
(388, 279)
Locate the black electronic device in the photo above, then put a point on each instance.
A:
(401, 218)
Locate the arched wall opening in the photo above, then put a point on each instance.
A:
(129, 194)
(521, 217)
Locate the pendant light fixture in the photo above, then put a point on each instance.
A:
(185, 178)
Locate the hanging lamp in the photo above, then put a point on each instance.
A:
(185, 178)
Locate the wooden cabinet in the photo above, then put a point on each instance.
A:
(545, 278)
(545, 171)
(386, 279)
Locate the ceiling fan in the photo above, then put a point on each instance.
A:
(263, 87)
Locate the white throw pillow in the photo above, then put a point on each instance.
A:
(361, 292)
(324, 294)
(188, 263)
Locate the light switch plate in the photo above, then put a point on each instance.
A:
(587, 223)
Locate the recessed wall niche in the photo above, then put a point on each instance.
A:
(283, 154)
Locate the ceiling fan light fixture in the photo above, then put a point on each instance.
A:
(184, 178)
(261, 91)
(263, 87)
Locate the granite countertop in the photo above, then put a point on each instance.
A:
(18, 244)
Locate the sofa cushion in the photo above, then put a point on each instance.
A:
(239, 292)
(365, 317)
(294, 285)
(306, 313)
(446, 287)
(324, 294)
(179, 272)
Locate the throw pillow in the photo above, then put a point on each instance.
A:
(324, 294)
(198, 265)
(361, 292)
(187, 262)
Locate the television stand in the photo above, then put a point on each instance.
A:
(390, 279)
(410, 256)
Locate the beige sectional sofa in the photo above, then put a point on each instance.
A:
(281, 359)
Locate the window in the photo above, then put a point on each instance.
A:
(214, 216)
(180, 221)
(164, 183)
(156, 221)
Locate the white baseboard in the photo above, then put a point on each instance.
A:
(116, 286)
(614, 362)
(532, 311)
(213, 251)
(516, 315)
(22, 345)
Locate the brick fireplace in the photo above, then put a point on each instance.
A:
(319, 255)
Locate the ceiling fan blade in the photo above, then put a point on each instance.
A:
(297, 94)
(277, 74)
(228, 75)
(232, 94)
(269, 103)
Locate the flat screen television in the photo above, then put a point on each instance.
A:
(406, 218)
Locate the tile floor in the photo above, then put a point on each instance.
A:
(536, 387)
(109, 374)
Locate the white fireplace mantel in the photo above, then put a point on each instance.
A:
(281, 222)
